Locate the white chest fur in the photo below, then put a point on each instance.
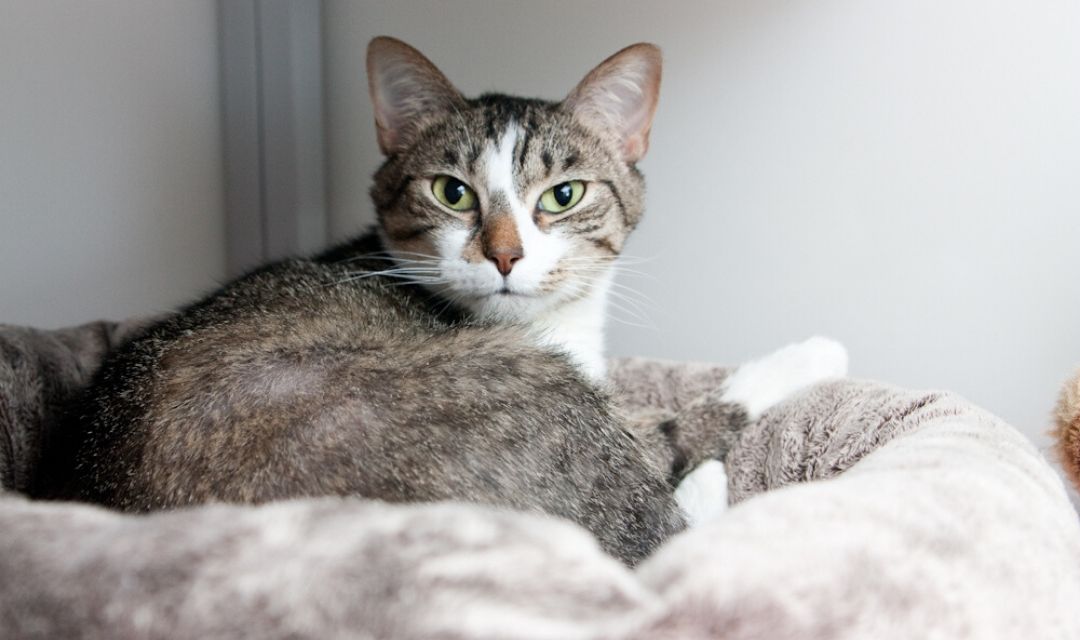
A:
(577, 328)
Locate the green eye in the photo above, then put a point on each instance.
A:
(562, 196)
(453, 193)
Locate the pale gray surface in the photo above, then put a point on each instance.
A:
(110, 158)
(272, 110)
(241, 134)
(292, 114)
(900, 176)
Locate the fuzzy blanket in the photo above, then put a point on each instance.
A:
(861, 511)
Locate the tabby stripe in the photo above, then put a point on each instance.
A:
(399, 191)
(570, 161)
(588, 229)
(618, 200)
(524, 148)
(546, 158)
(679, 461)
(583, 216)
(604, 244)
(412, 234)
(474, 156)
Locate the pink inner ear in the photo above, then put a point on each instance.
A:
(399, 93)
(621, 94)
(405, 87)
(391, 87)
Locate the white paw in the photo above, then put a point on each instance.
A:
(760, 384)
(702, 495)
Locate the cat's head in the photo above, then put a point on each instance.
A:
(509, 206)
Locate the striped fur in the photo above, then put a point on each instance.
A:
(510, 151)
(403, 366)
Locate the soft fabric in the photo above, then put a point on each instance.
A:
(39, 370)
(862, 511)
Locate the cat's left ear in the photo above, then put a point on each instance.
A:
(406, 88)
(620, 95)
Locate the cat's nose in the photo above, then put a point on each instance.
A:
(501, 242)
(504, 257)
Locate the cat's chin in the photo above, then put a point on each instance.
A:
(506, 306)
(515, 305)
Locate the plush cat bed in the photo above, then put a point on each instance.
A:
(861, 511)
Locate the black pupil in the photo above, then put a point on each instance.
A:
(454, 190)
(563, 193)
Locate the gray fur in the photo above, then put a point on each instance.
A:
(555, 144)
(262, 393)
(329, 377)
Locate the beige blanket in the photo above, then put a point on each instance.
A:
(861, 511)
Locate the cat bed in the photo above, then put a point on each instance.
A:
(860, 511)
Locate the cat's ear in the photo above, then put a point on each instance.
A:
(405, 89)
(620, 95)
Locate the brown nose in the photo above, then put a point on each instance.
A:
(504, 257)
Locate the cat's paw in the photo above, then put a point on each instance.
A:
(702, 494)
(760, 384)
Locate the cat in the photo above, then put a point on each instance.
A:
(455, 352)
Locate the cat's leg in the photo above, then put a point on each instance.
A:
(702, 433)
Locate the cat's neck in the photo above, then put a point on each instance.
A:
(577, 328)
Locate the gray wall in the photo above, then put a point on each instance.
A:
(904, 176)
(110, 158)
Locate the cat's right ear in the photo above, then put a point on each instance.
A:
(405, 89)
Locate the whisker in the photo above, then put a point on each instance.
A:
(619, 299)
(617, 287)
(448, 301)
(409, 282)
(390, 274)
(633, 309)
(417, 254)
(645, 323)
(392, 257)
(417, 275)
(612, 268)
(624, 259)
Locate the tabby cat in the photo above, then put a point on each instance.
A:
(451, 353)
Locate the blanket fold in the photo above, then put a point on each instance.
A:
(862, 511)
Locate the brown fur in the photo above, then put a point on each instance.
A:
(1066, 432)
(326, 376)
(501, 242)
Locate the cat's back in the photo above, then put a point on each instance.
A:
(280, 387)
(220, 378)
(275, 388)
